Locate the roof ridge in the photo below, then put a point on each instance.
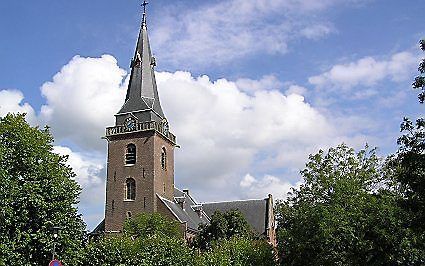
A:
(225, 201)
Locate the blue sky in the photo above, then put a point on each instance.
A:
(250, 87)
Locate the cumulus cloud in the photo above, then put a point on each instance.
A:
(11, 102)
(223, 131)
(367, 71)
(225, 128)
(219, 32)
(82, 99)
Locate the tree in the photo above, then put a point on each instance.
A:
(409, 169)
(223, 226)
(37, 192)
(239, 251)
(146, 225)
(148, 239)
(419, 82)
(345, 213)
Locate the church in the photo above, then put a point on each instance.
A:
(140, 164)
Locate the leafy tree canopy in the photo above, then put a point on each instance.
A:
(148, 239)
(239, 251)
(345, 213)
(146, 225)
(223, 226)
(37, 192)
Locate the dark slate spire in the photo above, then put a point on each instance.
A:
(142, 93)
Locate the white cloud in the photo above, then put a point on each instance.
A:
(224, 129)
(11, 102)
(219, 32)
(367, 71)
(295, 89)
(267, 82)
(268, 184)
(82, 100)
(316, 31)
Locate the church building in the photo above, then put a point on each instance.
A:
(140, 166)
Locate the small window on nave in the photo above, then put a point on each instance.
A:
(130, 156)
(130, 189)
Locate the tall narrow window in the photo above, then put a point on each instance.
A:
(164, 159)
(130, 156)
(130, 187)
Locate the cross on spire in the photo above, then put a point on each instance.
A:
(144, 4)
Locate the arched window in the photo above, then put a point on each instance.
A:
(130, 189)
(164, 159)
(130, 156)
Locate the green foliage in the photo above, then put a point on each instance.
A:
(345, 213)
(223, 226)
(239, 251)
(37, 192)
(146, 225)
(408, 170)
(163, 245)
(419, 82)
(148, 239)
(151, 251)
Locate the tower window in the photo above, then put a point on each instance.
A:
(129, 215)
(164, 159)
(130, 187)
(130, 156)
(113, 205)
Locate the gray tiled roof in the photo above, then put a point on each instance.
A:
(187, 213)
(254, 211)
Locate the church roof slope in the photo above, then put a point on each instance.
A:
(254, 211)
(185, 208)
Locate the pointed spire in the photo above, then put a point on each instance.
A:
(142, 92)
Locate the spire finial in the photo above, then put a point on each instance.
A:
(145, 3)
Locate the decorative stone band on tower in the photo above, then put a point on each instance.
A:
(160, 128)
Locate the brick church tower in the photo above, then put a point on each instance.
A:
(140, 146)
